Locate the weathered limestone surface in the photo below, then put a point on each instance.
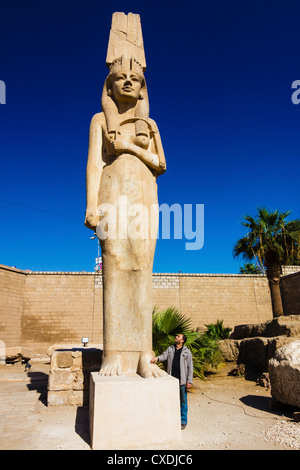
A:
(284, 371)
(284, 325)
(130, 412)
(126, 39)
(255, 344)
(69, 375)
(125, 158)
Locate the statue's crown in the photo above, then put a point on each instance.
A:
(125, 45)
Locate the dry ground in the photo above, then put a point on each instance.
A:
(225, 413)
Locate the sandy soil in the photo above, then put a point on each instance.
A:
(225, 413)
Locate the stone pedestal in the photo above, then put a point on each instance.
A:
(129, 412)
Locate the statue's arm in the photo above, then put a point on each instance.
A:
(153, 157)
(93, 172)
(158, 148)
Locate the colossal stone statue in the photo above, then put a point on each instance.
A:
(125, 157)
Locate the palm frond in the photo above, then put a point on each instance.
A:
(171, 322)
(204, 349)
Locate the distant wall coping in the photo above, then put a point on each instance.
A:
(295, 274)
(91, 273)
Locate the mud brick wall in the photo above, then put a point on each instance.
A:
(206, 298)
(12, 292)
(39, 309)
(290, 292)
(61, 308)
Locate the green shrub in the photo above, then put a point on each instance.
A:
(217, 330)
(206, 354)
(166, 325)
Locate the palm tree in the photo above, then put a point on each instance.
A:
(250, 268)
(271, 242)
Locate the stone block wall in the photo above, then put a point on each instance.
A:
(12, 292)
(61, 307)
(290, 292)
(206, 298)
(39, 309)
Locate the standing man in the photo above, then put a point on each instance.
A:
(179, 365)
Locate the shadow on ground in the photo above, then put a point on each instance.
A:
(269, 405)
(82, 423)
(39, 383)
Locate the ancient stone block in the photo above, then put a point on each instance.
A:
(284, 371)
(229, 349)
(66, 397)
(69, 375)
(64, 359)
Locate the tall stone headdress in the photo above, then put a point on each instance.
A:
(125, 51)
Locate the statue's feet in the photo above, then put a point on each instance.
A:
(111, 365)
(146, 369)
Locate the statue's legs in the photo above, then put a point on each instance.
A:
(127, 305)
(127, 320)
(127, 262)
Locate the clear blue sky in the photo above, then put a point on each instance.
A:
(219, 75)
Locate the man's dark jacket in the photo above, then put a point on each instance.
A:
(186, 363)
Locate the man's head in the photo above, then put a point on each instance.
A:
(180, 339)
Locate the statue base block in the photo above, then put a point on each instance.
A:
(129, 412)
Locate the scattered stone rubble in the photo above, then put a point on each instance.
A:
(264, 380)
(285, 433)
(273, 350)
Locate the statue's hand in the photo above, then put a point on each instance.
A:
(162, 166)
(120, 146)
(92, 218)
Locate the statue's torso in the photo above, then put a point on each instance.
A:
(127, 182)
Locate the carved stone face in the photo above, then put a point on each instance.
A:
(126, 86)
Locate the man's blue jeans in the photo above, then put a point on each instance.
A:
(183, 404)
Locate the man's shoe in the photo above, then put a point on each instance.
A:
(183, 426)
